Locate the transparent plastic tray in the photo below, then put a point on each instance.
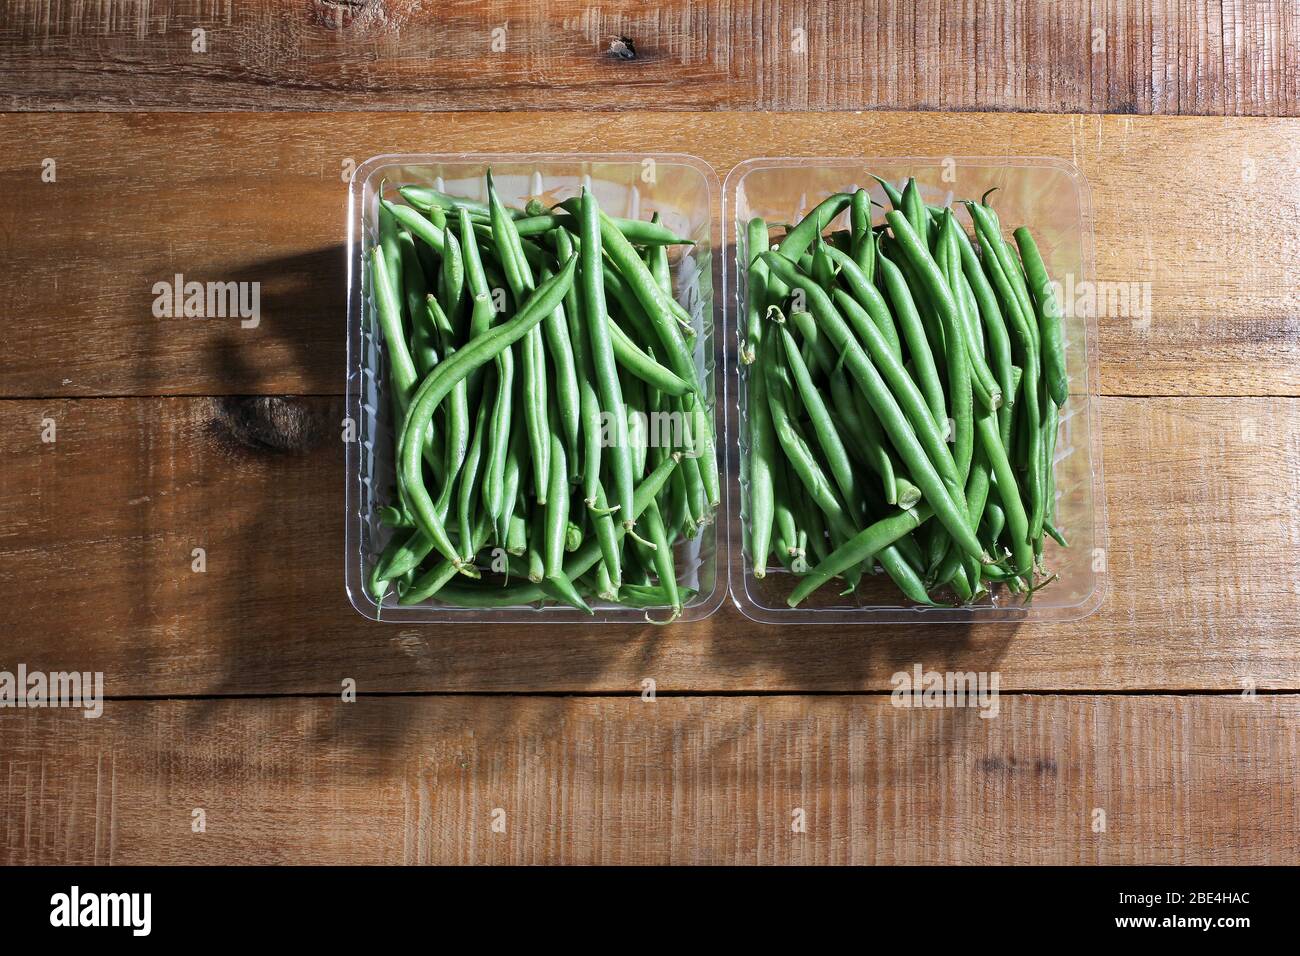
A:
(683, 189)
(1052, 198)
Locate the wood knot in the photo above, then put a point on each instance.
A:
(268, 425)
(622, 48)
(1043, 766)
(337, 14)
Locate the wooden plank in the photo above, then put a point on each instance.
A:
(1202, 210)
(1153, 56)
(96, 565)
(677, 780)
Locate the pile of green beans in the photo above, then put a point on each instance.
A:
(903, 381)
(553, 438)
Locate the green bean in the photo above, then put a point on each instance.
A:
(657, 263)
(1049, 318)
(961, 584)
(588, 466)
(499, 435)
(467, 484)
(457, 432)
(429, 199)
(799, 455)
(651, 595)
(389, 230)
(821, 268)
(420, 227)
(663, 557)
(1016, 273)
(908, 581)
(705, 450)
(516, 526)
(644, 367)
(607, 538)
(378, 580)
(512, 479)
(865, 432)
(756, 300)
(557, 510)
(602, 351)
(432, 581)
(995, 519)
(441, 381)
(961, 407)
(1051, 425)
(762, 452)
(1022, 323)
(923, 471)
(568, 398)
(658, 306)
(534, 379)
(810, 226)
(696, 496)
(783, 523)
(987, 387)
(424, 345)
(914, 210)
(936, 287)
(977, 492)
(401, 366)
(902, 386)
(634, 400)
(918, 344)
(891, 191)
(870, 299)
(577, 564)
(823, 429)
(858, 549)
(536, 538)
(1017, 522)
(812, 524)
(451, 281)
(863, 241)
(994, 325)
(640, 232)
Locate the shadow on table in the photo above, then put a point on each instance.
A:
(288, 628)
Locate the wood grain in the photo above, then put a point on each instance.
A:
(1203, 210)
(1179, 780)
(96, 557)
(1145, 56)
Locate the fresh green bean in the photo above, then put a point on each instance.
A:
(859, 548)
(1049, 318)
(441, 381)
(756, 300)
(918, 345)
(602, 349)
(823, 428)
(896, 424)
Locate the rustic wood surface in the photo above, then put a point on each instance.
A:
(176, 435)
(1144, 56)
(705, 780)
(96, 563)
(1202, 209)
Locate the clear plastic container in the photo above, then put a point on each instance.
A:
(682, 189)
(1052, 198)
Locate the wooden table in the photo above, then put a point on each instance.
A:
(1172, 710)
